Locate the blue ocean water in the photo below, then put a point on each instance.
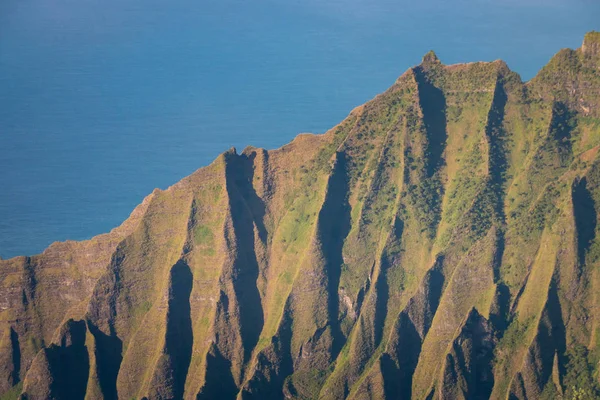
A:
(101, 101)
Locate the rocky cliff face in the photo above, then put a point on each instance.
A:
(440, 242)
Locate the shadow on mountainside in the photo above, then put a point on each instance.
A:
(334, 226)
(433, 104)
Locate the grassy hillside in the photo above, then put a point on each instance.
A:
(440, 242)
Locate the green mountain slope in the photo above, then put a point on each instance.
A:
(439, 243)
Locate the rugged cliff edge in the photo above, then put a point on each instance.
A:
(440, 243)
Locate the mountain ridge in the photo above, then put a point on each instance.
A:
(440, 242)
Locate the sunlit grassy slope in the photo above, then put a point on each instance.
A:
(440, 242)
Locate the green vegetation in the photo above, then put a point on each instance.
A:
(579, 380)
(14, 393)
(442, 239)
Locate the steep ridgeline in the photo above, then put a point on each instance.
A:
(439, 243)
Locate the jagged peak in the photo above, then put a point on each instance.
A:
(232, 150)
(502, 65)
(568, 59)
(591, 44)
(430, 58)
(249, 149)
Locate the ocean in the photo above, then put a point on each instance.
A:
(101, 101)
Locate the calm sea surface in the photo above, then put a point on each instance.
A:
(101, 101)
